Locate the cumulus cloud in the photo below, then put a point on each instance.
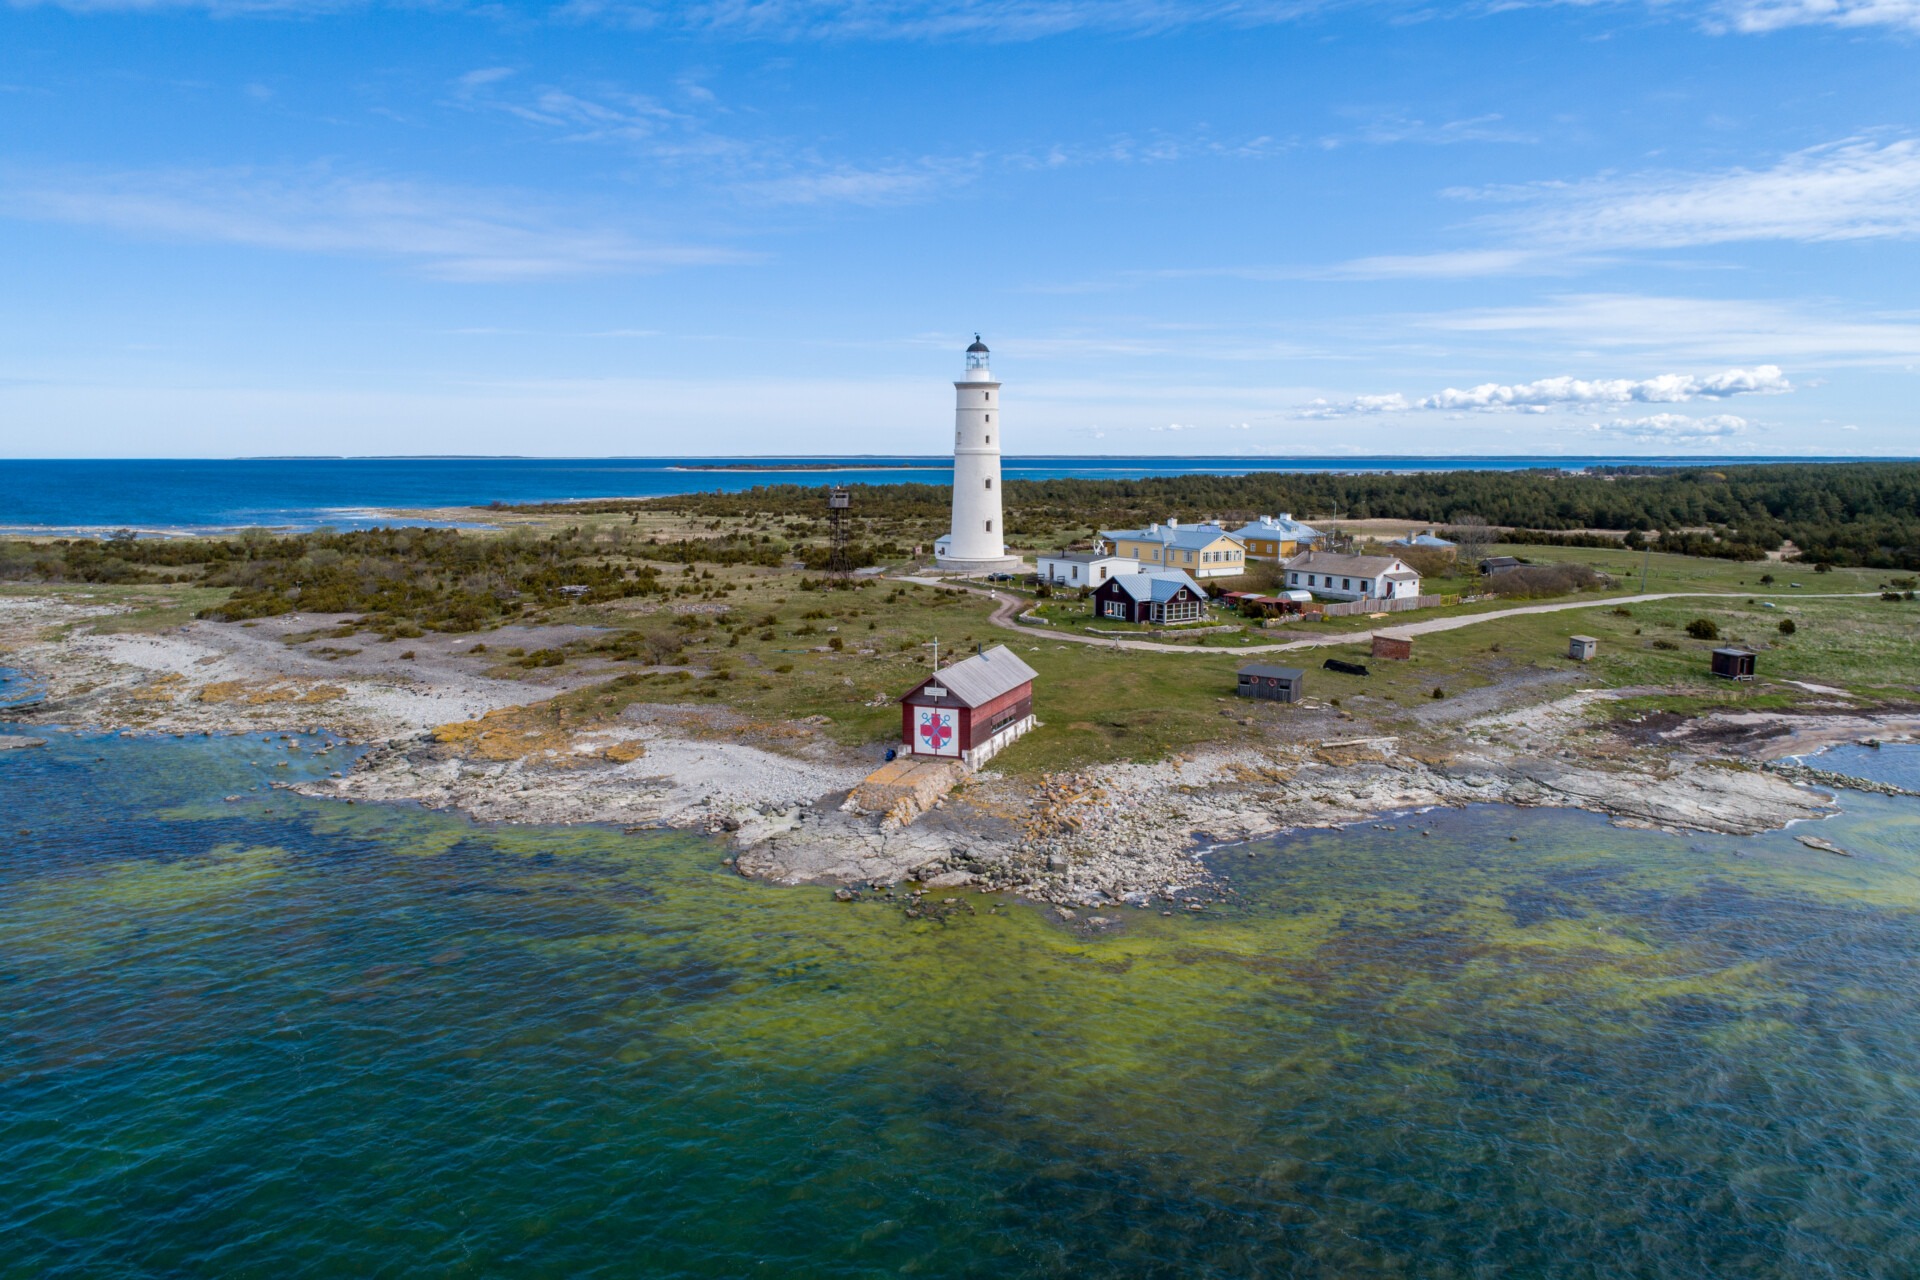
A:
(1394, 403)
(1671, 388)
(1672, 428)
(1549, 394)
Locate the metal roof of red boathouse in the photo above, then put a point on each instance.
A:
(983, 677)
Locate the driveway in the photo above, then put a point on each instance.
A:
(1008, 606)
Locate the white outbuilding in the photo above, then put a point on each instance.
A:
(1341, 577)
(1082, 568)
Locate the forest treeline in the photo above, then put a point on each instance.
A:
(1857, 513)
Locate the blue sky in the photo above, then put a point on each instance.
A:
(1225, 226)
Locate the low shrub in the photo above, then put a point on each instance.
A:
(1531, 580)
(1703, 629)
(1788, 626)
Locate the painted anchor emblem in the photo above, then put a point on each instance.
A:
(936, 730)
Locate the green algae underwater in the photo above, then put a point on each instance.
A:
(279, 1037)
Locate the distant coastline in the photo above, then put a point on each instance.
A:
(809, 466)
(90, 497)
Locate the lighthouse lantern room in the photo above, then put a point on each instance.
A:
(977, 542)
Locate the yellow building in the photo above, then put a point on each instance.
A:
(1277, 538)
(1202, 550)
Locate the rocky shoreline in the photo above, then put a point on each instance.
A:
(1117, 833)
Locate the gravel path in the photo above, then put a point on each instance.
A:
(1003, 616)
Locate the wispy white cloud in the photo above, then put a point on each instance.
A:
(1672, 428)
(447, 233)
(1002, 20)
(1464, 264)
(1020, 20)
(1862, 188)
(1854, 189)
(479, 77)
(1760, 16)
(1695, 329)
(854, 185)
(1388, 130)
(1548, 394)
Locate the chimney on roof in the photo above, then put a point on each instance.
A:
(1173, 524)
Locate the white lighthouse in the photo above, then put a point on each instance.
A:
(977, 543)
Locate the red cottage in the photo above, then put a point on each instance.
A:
(970, 710)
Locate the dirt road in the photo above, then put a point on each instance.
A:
(1008, 606)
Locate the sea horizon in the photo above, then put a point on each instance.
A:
(180, 496)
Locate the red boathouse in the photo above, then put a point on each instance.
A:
(971, 710)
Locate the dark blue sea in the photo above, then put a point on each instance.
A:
(186, 495)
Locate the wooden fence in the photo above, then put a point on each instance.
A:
(1401, 605)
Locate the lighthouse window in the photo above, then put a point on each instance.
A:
(989, 526)
(989, 482)
(987, 418)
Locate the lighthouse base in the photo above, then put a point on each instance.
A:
(989, 564)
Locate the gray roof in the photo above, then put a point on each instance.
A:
(985, 676)
(1159, 585)
(1081, 557)
(1427, 539)
(1282, 526)
(1353, 566)
(1264, 671)
(1185, 537)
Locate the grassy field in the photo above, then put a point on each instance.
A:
(774, 646)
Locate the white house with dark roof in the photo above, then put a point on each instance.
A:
(1352, 577)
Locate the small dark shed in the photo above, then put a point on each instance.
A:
(1498, 564)
(1282, 684)
(1733, 664)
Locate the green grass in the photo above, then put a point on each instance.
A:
(1100, 704)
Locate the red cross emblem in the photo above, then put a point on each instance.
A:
(936, 730)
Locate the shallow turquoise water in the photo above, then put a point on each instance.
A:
(272, 1037)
